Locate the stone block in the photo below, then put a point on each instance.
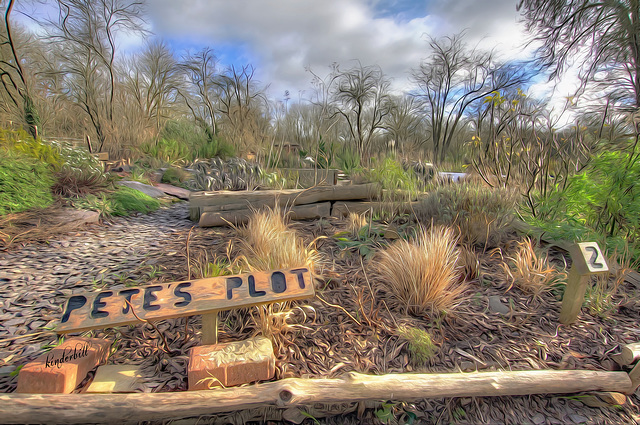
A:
(115, 379)
(229, 364)
(64, 367)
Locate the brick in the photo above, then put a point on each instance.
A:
(64, 367)
(233, 363)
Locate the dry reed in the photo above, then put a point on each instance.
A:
(530, 270)
(423, 274)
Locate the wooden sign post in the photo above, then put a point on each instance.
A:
(117, 307)
(587, 260)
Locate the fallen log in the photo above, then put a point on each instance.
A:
(300, 212)
(287, 196)
(344, 208)
(634, 375)
(629, 355)
(107, 408)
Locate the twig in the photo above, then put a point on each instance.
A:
(341, 308)
(188, 257)
(166, 346)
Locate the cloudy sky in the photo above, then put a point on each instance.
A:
(283, 37)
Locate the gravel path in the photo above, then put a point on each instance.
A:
(37, 278)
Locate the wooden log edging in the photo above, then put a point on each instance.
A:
(235, 217)
(629, 355)
(106, 408)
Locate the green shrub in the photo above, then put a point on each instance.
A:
(25, 182)
(123, 201)
(184, 132)
(349, 161)
(483, 216)
(23, 142)
(419, 344)
(602, 203)
(214, 148)
(175, 176)
(127, 200)
(393, 177)
(168, 150)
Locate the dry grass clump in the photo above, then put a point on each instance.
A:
(483, 216)
(268, 243)
(355, 222)
(529, 270)
(423, 274)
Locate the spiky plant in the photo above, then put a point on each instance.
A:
(529, 269)
(419, 344)
(423, 274)
(268, 243)
(355, 222)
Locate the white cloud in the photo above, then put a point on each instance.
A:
(282, 37)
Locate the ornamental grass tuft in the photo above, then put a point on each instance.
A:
(423, 274)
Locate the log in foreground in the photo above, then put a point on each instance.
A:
(106, 408)
(300, 212)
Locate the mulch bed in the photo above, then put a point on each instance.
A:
(352, 326)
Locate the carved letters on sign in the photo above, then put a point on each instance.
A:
(114, 307)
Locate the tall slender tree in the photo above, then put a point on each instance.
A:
(601, 35)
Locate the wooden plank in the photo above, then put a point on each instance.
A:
(117, 307)
(235, 217)
(286, 393)
(102, 156)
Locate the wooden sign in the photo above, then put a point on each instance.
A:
(587, 260)
(117, 307)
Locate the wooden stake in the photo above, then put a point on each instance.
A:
(587, 260)
(210, 328)
(116, 408)
(573, 296)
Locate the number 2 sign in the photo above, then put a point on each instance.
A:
(588, 258)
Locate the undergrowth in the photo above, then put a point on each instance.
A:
(25, 183)
(602, 204)
(419, 344)
(120, 202)
(483, 216)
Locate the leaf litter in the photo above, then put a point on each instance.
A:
(351, 326)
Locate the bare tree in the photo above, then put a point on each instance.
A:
(404, 125)
(201, 96)
(361, 97)
(452, 79)
(153, 79)
(84, 38)
(603, 36)
(14, 78)
(244, 108)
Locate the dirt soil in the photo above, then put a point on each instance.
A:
(350, 326)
